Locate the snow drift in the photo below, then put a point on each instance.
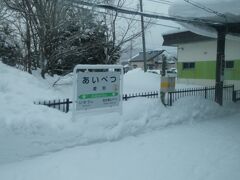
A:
(28, 130)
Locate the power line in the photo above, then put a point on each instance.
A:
(200, 6)
(165, 1)
(162, 14)
(133, 9)
(152, 12)
(171, 18)
(134, 19)
(161, 2)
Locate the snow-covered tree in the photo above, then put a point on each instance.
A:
(121, 28)
(10, 52)
(59, 35)
(77, 42)
(3, 11)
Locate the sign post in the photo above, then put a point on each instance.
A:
(167, 84)
(97, 88)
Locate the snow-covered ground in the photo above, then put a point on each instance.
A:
(194, 139)
(201, 151)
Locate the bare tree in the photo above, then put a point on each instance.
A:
(40, 18)
(45, 20)
(22, 8)
(3, 12)
(119, 35)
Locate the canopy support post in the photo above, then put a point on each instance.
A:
(220, 64)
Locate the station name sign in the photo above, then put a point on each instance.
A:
(98, 88)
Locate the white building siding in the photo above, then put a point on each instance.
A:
(207, 50)
(208, 82)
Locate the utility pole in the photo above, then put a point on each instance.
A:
(131, 49)
(163, 74)
(143, 38)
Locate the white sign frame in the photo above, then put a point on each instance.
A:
(117, 108)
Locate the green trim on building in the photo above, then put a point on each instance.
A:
(207, 70)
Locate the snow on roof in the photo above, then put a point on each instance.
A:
(133, 57)
(217, 10)
(149, 55)
(221, 11)
(175, 31)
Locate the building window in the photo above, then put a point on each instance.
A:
(135, 66)
(189, 65)
(150, 66)
(229, 64)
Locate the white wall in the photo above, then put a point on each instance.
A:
(200, 82)
(207, 82)
(232, 50)
(207, 50)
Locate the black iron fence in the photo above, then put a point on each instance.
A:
(64, 105)
(206, 92)
(153, 94)
(236, 95)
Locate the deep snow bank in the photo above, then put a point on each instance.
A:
(138, 81)
(28, 130)
(18, 91)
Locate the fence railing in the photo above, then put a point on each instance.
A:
(206, 92)
(153, 94)
(236, 95)
(64, 105)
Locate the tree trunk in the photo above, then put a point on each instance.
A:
(28, 44)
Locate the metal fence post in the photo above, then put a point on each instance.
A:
(234, 96)
(170, 93)
(67, 105)
(205, 92)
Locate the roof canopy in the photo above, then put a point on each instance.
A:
(173, 39)
(220, 18)
(219, 13)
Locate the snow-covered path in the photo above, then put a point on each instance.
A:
(208, 150)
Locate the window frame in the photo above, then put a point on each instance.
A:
(229, 64)
(135, 66)
(188, 65)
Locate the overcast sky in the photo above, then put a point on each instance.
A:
(154, 34)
